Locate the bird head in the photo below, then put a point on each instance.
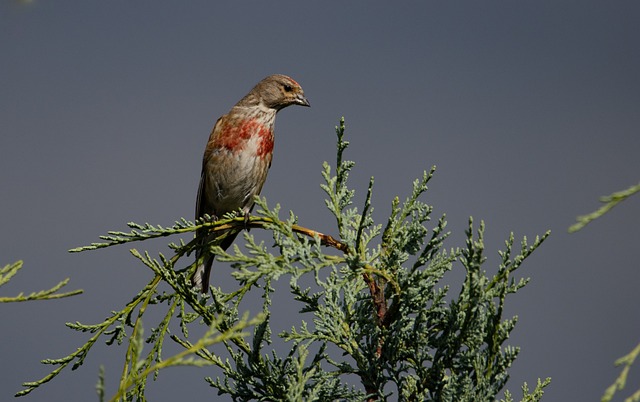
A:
(278, 91)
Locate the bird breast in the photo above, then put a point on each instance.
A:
(240, 161)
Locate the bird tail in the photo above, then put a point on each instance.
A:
(200, 278)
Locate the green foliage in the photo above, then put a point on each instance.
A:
(8, 271)
(621, 381)
(376, 320)
(534, 396)
(609, 201)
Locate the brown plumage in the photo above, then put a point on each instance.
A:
(238, 156)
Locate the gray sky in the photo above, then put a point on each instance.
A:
(530, 110)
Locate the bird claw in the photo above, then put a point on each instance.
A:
(246, 220)
(206, 218)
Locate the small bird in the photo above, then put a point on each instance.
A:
(237, 158)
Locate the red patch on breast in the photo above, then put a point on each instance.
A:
(266, 142)
(234, 136)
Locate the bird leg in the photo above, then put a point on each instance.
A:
(247, 214)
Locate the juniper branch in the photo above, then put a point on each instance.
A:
(379, 301)
(211, 337)
(8, 271)
(609, 201)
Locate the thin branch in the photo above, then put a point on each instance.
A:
(610, 202)
(8, 271)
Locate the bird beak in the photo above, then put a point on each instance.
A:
(302, 101)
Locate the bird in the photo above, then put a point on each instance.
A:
(236, 160)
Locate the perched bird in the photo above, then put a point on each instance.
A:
(237, 158)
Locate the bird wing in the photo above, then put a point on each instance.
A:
(201, 189)
(201, 207)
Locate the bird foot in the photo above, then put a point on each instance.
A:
(246, 220)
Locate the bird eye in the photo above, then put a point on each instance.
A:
(288, 88)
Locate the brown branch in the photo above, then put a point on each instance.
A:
(259, 222)
(377, 296)
(325, 240)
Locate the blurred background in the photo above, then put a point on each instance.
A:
(530, 110)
